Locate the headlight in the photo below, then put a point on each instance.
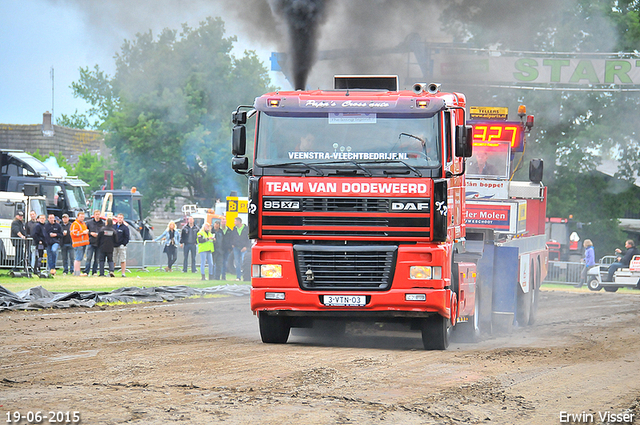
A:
(425, 272)
(420, 272)
(267, 270)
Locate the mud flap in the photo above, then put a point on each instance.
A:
(505, 285)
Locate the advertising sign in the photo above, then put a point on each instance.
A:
(537, 70)
(504, 217)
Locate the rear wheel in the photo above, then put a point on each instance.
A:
(274, 329)
(435, 332)
(594, 284)
(611, 288)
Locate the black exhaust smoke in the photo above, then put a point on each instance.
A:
(302, 18)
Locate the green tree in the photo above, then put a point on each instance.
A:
(75, 120)
(60, 159)
(90, 168)
(167, 110)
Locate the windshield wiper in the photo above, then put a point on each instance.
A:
(422, 141)
(397, 161)
(286, 164)
(350, 161)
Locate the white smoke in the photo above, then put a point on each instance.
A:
(56, 170)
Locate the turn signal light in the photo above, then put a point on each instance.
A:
(274, 103)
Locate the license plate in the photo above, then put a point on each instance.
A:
(345, 300)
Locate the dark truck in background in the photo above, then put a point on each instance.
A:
(64, 194)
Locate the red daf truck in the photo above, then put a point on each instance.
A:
(357, 206)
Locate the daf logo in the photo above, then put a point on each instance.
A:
(409, 206)
(310, 277)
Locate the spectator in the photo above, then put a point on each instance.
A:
(53, 238)
(217, 250)
(240, 243)
(120, 247)
(40, 243)
(171, 239)
(19, 239)
(623, 261)
(80, 241)
(30, 226)
(32, 223)
(227, 247)
(205, 249)
(589, 261)
(106, 243)
(188, 240)
(94, 225)
(66, 246)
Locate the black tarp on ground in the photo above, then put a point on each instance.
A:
(38, 297)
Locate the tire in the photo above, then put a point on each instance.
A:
(594, 285)
(435, 332)
(611, 288)
(274, 329)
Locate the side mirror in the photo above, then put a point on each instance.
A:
(536, 167)
(239, 117)
(240, 164)
(239, 140)
(464, 141)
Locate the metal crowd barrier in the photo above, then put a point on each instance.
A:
(145, 255)
(13, 251)
(564, 272)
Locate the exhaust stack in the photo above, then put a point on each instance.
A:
(433, 88)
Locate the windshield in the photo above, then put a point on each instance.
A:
(75, 197)
(330, 137)
(38, 205)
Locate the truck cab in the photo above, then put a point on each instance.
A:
(127, 202)
(356, 203)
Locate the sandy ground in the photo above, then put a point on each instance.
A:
(202, 361)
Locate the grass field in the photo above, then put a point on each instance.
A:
(136, 278)
(140, 278)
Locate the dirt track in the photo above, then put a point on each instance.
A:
(202, 361)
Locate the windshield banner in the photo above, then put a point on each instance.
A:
(376, 187)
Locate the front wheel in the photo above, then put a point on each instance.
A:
(274, 329)
(435, 332)
(594, 284)
(611, 288)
